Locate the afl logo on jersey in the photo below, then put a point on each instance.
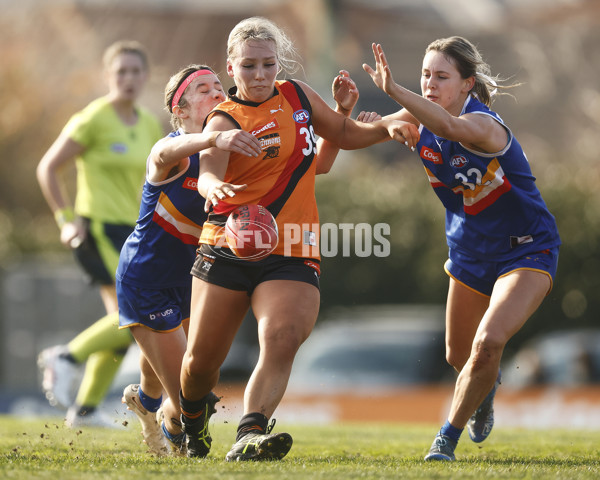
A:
(458, 161)
(301, 116)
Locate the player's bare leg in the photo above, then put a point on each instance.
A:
(162, 354)
(144, 399)
(286, 312)
(216, 316)
(514, 299)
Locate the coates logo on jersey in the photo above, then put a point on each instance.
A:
(458, 161)
(301, 116)
(190, 183)
(429, 154)
(258, 130)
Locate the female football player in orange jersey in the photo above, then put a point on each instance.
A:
(283, 289)
(153, 280)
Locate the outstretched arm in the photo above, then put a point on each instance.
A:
(171, 152)
(350, 134)
(422, 110)
(478, 131)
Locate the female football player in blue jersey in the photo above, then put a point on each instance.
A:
(503, 242)
(153, 277)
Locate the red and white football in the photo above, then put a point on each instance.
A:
(251, 232)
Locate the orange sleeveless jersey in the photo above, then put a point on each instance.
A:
(283, 178)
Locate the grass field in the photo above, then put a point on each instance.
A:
(45, 449)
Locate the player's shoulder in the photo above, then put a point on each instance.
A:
(227, 118)
(96, 107)
(308, 97)
(298, 84)
(85, 121)
(474, 105)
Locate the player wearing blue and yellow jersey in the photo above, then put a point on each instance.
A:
(153, 256)
(503, 242)
(478, 188)
(282, 288)
(153, 279)
(109, 141)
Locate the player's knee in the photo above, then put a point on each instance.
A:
(456, 359)
(283, 343)
(486, 351)
(195, 368)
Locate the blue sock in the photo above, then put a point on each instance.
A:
(149, 403)
(451, 431)
(176, 439)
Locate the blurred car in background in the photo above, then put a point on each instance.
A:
(553, 381)
(380, 363)
(373, 348)
(564, 357)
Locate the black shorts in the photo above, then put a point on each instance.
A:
(216, 266)
(98, 254)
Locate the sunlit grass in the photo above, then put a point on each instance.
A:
(46, 449)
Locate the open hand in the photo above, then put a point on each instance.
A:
(381, 75)
(219, 191)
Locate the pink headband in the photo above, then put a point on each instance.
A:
(190, 78)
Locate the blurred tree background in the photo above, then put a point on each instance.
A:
(51, 67)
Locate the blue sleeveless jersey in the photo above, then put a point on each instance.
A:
(161, 250)
(494, 210)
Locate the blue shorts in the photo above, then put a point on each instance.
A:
(225, 270)
(481, 276)
(161, 310)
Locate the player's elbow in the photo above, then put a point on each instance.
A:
(43, 171)
(322, 169)
(357, 135)
(159, 155)
(446, 129)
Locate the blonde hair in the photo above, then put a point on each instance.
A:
(125, 46)
(469, 63)
(259, 28)
(171, 88)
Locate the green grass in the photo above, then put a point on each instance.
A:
(44, 449)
